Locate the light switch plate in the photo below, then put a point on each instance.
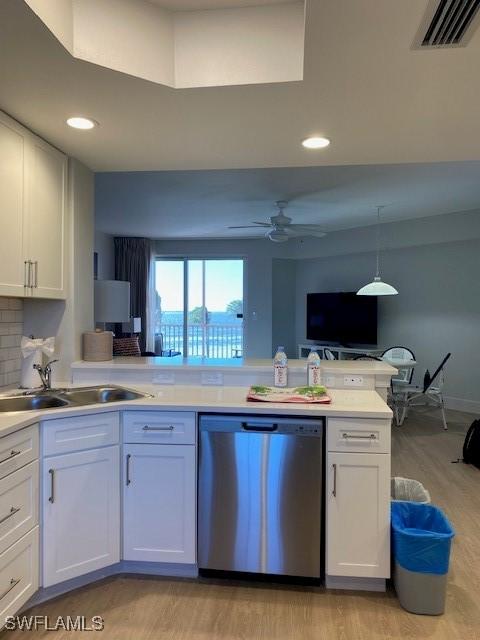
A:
(329, 381)
(212, 379)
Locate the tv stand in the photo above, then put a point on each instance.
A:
(341, 352)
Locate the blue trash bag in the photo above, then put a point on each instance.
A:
(421, 536)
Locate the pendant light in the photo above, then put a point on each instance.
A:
(377, 287)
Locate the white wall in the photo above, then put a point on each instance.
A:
(199, 48)
(58, 16)
(239, 46)
(126, 35)
(437, 309)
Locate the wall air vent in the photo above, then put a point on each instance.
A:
(450, 23)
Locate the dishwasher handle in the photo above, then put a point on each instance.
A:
(260, 427)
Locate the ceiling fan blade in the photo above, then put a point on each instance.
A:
(263, 224)
(248, 226)
(306, 227)
(302, 233)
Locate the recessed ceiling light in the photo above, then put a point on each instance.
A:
(316, 143)
(80, 122)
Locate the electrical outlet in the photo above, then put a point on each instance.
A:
(329, 381)
(353, 381)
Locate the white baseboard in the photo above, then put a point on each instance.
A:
(460, 404)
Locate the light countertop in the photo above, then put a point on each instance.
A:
(345, 403)
(235, 364)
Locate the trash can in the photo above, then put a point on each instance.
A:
(421, 537)
(407, 489)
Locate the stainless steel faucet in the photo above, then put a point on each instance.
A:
(45, 374)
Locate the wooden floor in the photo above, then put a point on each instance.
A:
(156, 609)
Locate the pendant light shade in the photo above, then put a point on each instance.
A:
(377, 287)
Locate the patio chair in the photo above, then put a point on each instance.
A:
(431, 392)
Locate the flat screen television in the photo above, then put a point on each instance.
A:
(343, 318)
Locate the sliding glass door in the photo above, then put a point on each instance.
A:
(200, 306)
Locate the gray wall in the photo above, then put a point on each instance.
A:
(104, 248)
(437, 309)
(283, 305)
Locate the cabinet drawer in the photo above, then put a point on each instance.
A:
(80, 432)
(18, 449)
(18, 504)
(159, 427)
(18, 574)
(358, 435)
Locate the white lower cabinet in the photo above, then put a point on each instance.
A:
(81, 513)
(18, 574)
(159, 503)
(358, 515)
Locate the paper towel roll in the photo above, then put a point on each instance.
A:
(32, 351)
(29, 377)
(97, 346)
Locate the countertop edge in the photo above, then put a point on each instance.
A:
(15, 421)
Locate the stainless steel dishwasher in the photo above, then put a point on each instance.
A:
(260, 495)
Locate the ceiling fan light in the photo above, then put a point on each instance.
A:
(277, 235)
(377, 288)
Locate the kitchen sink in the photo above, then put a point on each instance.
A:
(58, 398)
(32, 403)
(94, 395)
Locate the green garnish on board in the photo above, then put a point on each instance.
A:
(260, 390)
(313, 392)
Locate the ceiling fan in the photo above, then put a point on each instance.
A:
(280, 227)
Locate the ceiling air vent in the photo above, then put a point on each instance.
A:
(450, 23)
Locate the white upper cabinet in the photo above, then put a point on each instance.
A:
(12, 201)
(45, 220)
(33, 185)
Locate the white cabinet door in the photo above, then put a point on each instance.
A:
(12, 259)
(358, 515)
(81, 513)
(45, 221)
(159, 503)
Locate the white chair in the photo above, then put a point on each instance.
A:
(329, 355)
(405, 374)
(412, 396)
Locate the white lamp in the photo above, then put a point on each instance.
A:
(377, 287)
(112, 301)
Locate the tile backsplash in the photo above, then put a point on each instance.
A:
(11, 329)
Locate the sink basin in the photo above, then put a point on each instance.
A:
(55, 399)
(32, 403)
(94, 395)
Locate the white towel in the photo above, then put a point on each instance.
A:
(32, 352)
